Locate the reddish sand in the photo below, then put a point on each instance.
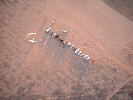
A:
(45, 70)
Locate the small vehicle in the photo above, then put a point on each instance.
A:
(48, 30)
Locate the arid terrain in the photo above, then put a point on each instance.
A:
(44, 70)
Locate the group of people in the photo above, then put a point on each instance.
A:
(67, 44)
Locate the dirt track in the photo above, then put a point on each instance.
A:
(44, 70)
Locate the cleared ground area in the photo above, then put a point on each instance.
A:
(46, 71)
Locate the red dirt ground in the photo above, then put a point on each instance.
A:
(42, 71)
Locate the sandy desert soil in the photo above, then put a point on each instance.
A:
(124, 7)
(45, 70)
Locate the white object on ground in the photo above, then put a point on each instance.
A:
(48, 30)
(68, 44)
(52, 21)
(32, 41)
(72, 46)
(64, 42)
(65, 31)
(85, 56)
(80, 52)
(76, 51)
(53, 34)
(88, 58)
(31, 34)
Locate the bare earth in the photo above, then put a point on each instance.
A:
(46, 71)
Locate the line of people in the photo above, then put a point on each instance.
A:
(67, 44)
